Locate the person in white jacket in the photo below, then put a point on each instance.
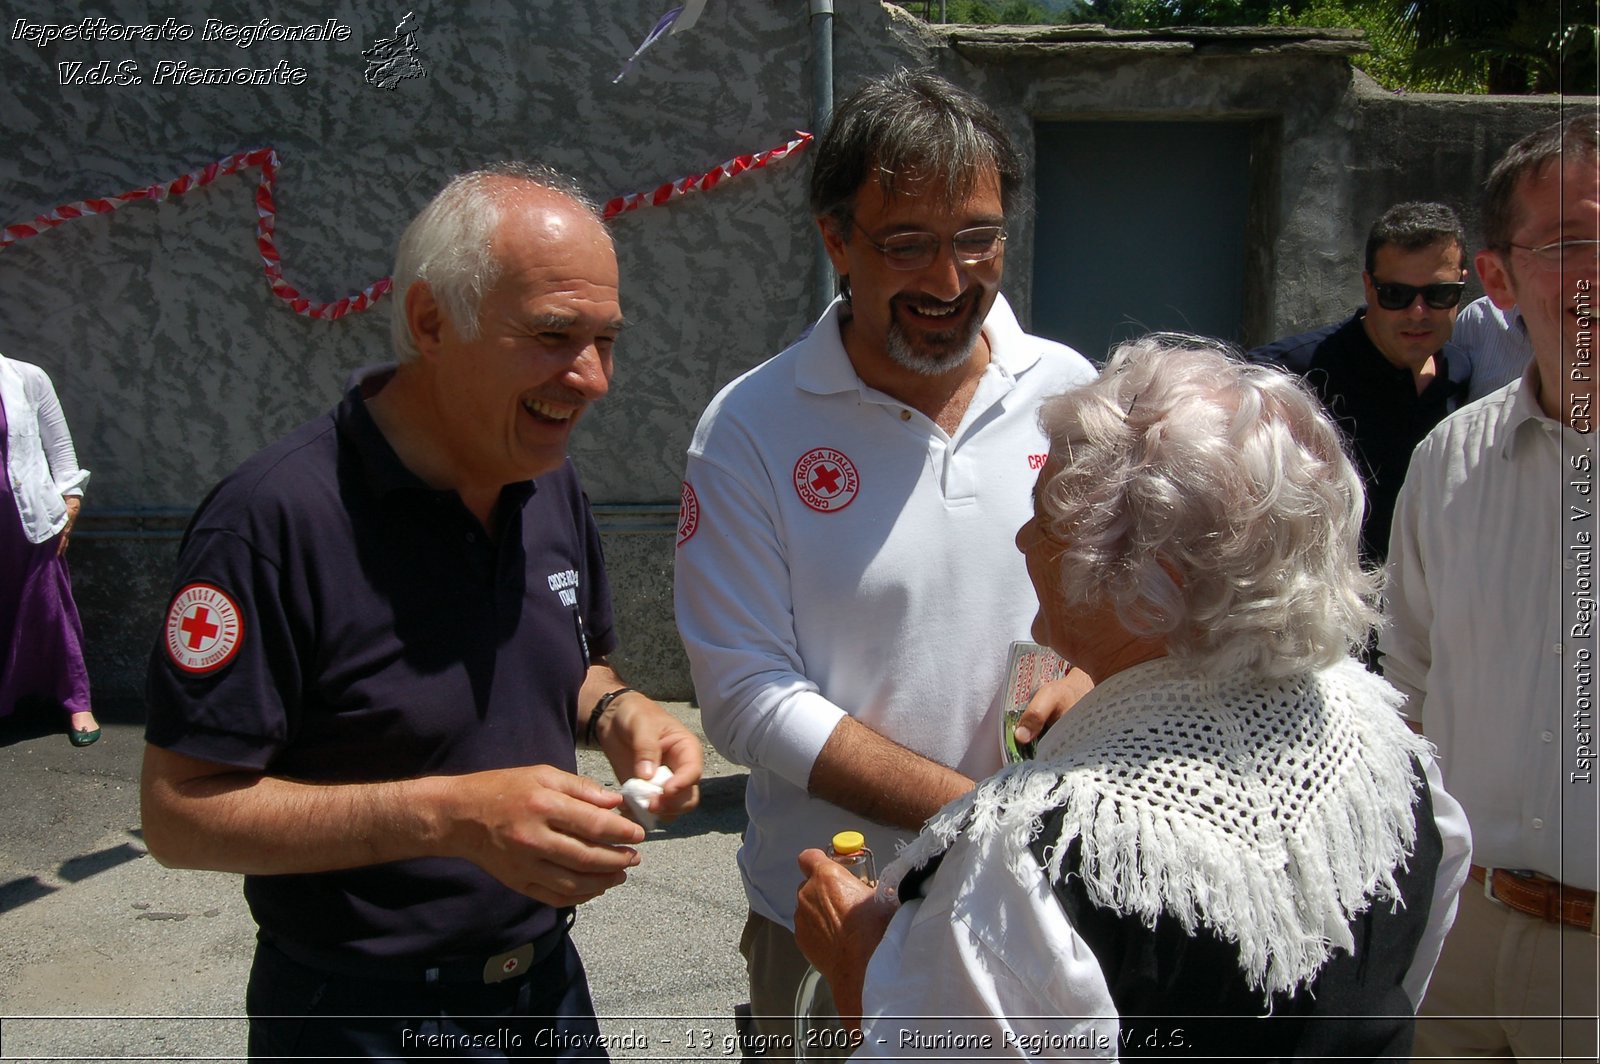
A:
(41, 636)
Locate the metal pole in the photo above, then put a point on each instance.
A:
(821, 112)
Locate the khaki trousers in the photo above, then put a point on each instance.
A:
(1509, 986)
(776, 967)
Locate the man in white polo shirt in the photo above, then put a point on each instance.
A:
(847, 584)
(1491, 636)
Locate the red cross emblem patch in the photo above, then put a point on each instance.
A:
(826, 480)
(688, 514)
(203, 629)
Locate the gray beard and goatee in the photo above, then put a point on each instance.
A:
(934, 354)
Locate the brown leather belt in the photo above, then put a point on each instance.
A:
(1537, 895)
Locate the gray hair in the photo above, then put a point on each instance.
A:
(1573, 140)
(911, 126)
(1209, 502)
(1414, 226)
(450, 244)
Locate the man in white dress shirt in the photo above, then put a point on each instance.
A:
(1491, 637)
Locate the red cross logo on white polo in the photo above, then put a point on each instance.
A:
(826, 480)
(203, 629)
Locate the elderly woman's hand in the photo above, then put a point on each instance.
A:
(1050, 702)
(839, 922)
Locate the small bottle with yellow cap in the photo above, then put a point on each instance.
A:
(850, 850)
(819, 1034)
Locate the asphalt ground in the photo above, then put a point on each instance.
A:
(105, 955)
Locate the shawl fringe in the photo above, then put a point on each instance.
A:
(1272, 811)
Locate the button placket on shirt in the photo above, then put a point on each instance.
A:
(958, 480)
(939, 446)
(961, 475)
(478, 551)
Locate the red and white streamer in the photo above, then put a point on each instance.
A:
(706, 181)
(266, 214)
(266, 220)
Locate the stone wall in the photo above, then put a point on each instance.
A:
(1336, 150)
(1429, 147)
(174, 360)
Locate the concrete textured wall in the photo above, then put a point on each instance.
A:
(1390, 148)
(1300, 104)
(1334, 150)
(175, 361)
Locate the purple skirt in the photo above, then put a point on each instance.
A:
(41, 637)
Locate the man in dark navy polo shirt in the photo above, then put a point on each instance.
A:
(387, 632)
(1388, 374)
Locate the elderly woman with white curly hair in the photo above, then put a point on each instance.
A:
(1233, 846)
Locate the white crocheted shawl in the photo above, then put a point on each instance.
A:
(1272, 811)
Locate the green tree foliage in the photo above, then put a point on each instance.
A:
(1154, 14)
(1466, 45)
(1528, 46)
(1501, 46)
(1391, 61)
(996, 12)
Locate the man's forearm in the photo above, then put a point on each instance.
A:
(267, 825)
(877, 778)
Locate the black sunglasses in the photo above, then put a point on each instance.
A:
(1441, 295)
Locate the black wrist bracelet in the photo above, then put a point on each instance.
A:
(600, 707)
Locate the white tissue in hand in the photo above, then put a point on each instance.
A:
(637, 792)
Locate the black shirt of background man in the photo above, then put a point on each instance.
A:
(1376, 406)
(386, 637)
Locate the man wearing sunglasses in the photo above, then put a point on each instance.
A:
(846, 584)
(1388, 374)
(1491, 636)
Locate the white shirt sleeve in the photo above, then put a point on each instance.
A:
(1456, 837)
(735, 613)
(1405, 640)
(942, 985)
(69, 478)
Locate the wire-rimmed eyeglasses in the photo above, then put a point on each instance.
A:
(1563, 254)
(916, 251)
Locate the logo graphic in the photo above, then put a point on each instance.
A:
(392, 60)
(826, 480)
(688, 514)
(565, 584)
(203, 629)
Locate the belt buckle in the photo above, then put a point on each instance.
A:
(508, 965)
(1489, 872)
